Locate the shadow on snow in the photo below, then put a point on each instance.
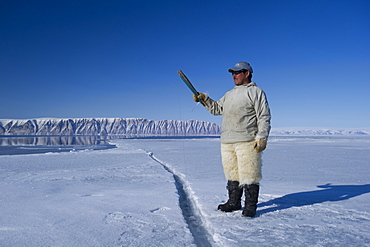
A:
(327, 193)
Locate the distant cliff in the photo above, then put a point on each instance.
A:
(141, 127)
(319, 131)
(107, 126)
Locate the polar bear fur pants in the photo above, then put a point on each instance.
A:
(241, 162)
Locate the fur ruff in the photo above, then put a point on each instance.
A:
(241, 162)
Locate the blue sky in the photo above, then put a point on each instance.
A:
(71, 59)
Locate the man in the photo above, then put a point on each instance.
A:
(245, 129)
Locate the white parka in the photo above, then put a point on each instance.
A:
(245, 113)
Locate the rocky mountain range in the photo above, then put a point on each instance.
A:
(140, 127)
(107, 126)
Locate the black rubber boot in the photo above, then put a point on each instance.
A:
(251, 199)
(235, 196)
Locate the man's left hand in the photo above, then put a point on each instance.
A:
(260, 144)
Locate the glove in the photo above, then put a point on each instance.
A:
(201, 96)
(260, 144)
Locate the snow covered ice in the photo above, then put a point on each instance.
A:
(164, 192)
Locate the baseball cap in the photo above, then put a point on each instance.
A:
(240, 66)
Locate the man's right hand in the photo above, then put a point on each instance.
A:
(200, 96)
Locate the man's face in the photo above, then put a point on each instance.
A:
(240, 78)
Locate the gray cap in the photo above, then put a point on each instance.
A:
(240, 66)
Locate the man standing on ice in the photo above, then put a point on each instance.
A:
(245, 129)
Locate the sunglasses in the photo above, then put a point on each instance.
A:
(237, 72)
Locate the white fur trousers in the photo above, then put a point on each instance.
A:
(241, 162)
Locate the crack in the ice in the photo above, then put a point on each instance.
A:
(190, 210)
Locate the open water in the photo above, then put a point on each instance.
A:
(14, 145)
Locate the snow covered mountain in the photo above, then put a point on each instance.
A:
(318, 131)
(107, 126)
(141, 127)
